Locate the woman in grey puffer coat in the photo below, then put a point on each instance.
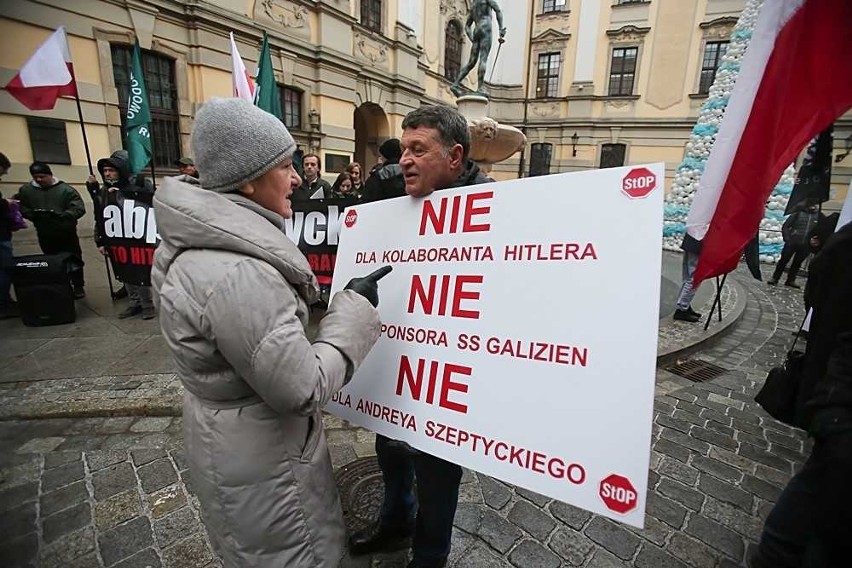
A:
(233, 293)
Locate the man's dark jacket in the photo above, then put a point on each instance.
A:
(53, 210)
(799, 226)
(307, 189)
(386, 182)
(827, 383)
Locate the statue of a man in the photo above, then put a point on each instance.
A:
(478, 30)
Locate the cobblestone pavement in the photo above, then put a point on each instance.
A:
(113, 491)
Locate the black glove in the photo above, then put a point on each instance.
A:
(368, 286)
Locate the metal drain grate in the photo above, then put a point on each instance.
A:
(696, 370)
(361, 492)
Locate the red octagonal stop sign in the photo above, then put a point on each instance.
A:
(618, 494)
(639, 182)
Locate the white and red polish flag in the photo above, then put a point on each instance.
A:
(46, 76)
(795, 80)
(243, 85)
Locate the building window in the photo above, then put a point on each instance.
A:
(540, 155)
(159, 73)
(452, 50)
(714, 51)
(371, 14)
(612, 155)
(548, 6)
(291, 107)
(622, 70)
(548, 75)
(48, 140)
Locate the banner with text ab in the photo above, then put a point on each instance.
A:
(130, 237)
(519, 330)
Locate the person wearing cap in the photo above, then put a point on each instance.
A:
(54, 208)
(120, 185)
(313, 186)
(233, 294)
(386, 181)
(187, 167)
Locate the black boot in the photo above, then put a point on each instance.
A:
(685, 315)
(693, 312)
(379, 537)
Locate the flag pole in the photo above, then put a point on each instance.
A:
(91, 170)
(153, 156)
(82, 124)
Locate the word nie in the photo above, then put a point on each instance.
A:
(415, 382)
(425, 295)
(457, 212)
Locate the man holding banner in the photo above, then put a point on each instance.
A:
(435, 146)
(125, 229)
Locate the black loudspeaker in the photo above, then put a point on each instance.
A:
(43, 289)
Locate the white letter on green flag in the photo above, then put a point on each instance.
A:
(138, 116)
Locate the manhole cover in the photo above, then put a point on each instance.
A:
(361, 492)
(696, 370)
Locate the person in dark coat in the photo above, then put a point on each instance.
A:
(8, 307)
(811, 524)
(313, 186)
(386, 182)
(795, 231)
(119, 185)
(823, 231)
(54, 208)
(435, 144)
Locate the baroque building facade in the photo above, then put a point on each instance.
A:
(593, 83)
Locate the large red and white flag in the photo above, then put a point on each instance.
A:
(243, 85)
(46, 76)
(796, 79)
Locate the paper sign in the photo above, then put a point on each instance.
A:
(519, 330)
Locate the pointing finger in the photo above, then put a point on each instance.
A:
(379, 274)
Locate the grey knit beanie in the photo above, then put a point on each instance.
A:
(234, 142)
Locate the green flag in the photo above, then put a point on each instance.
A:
(266, 94)
(138, 116)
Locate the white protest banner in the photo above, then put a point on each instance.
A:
(519, 330)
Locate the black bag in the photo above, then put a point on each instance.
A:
(781, 388)
(779, 392)
(43, 288)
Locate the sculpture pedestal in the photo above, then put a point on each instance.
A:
(490, 141)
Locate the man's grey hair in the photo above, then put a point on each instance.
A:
(451, 126)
